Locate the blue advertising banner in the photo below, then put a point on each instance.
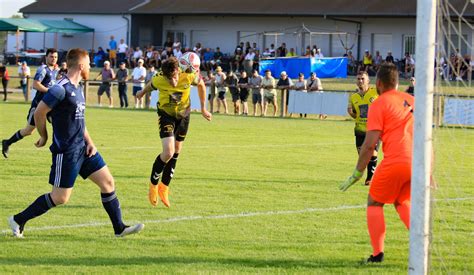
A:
(324, 67)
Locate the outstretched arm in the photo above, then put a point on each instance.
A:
(148, 88)
(202, 99)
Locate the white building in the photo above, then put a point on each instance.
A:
(373, 25)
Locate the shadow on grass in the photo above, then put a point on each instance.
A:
(331, 263)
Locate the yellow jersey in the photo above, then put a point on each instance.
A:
(174, 101)
(360, 105)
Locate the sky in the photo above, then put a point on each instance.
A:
(11, 7)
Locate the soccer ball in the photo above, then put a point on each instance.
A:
(189, 62)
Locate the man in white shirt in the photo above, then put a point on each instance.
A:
(122, 51)
(138, 78)
(319, 54)
(248, 61)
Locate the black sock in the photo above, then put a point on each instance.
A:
(40, 206)
(112, 206)
(371, 168)
(156, 170)
(16, 137)
(168, 172)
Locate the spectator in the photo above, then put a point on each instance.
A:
(256, 61)
(209, 80)
(231, 82)
(113, 51)
(99, 57)
(150, 74)
(168, 43)
(122, 51)
(314, 50)
(239, 47)
(389, 58)
(122, 78)
(247, 47)
(313, 84)
(291, 53)
(284, 84)
(307, 52)
(466, 68)
(208, 56)
(107, 75)
(319, 54)
(351, 62)
(269, 93)
(237, 60)
(411, 87)
(138, 78)
(377, 60)
(282, 51)
(266, 53)
(221, 90)
(272, 50)
(254, 47)
(243, 84)
(300, 85)
(248, 61)
(177, 49)
(5, 78)
(129, 57)
(62, 71)
(366, 62)
(217, 59)
(255, 82)
(409, 63)
(198, 49)
(137, 54)
(149, 55)
(24, 73)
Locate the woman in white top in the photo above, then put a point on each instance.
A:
(221, 90)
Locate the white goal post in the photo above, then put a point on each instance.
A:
(422, 145)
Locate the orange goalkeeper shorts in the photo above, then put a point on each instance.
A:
(391, 183)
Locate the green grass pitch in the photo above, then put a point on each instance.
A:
(250, 195)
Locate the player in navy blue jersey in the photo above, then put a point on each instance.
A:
(73, 151)
(45, 77)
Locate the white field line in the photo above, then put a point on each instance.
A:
(213, 146)
(218, 217)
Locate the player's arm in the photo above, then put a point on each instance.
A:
(201, 86)
(366, 152)
(40, 120)
(40, 75)
(91, 149)
(148, 88)
(350, 108)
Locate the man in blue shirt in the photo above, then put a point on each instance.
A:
(113, 51)
(73, 151)
(45, 77)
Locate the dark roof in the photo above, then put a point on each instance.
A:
(82, 6)
(351, 8)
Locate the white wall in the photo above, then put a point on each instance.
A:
(104, 25)
(223, 31)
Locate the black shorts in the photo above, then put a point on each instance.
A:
(235, 95)
(244, 95)
(221, 95)
(30, 117)
(360, 140)
(104, 87)
(173, 127)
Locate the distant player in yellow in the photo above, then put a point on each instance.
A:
(174, 107)
(358, 108)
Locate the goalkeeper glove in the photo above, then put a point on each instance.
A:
(356, 175)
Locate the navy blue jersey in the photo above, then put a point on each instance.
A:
(47, 77)
(67, 112)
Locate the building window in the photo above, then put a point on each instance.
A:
(408, 44)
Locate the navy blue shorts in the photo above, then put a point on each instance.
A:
(136, 90)
(67, 166)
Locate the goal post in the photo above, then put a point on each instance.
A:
(422, 149)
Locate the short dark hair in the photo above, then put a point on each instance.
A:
(51, 50)
(73, 56)
(388, 75)
(169, 66)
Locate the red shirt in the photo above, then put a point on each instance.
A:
(392, 113)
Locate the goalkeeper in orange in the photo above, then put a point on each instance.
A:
(174, 107)
(390, 119)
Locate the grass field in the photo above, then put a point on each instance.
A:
(250, 195)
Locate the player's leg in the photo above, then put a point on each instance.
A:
(376, 226)
(402, 203)
(275, 105)
(20, 134)
(108, 91)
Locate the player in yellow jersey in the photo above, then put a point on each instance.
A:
(174, 109)
(358, 108)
